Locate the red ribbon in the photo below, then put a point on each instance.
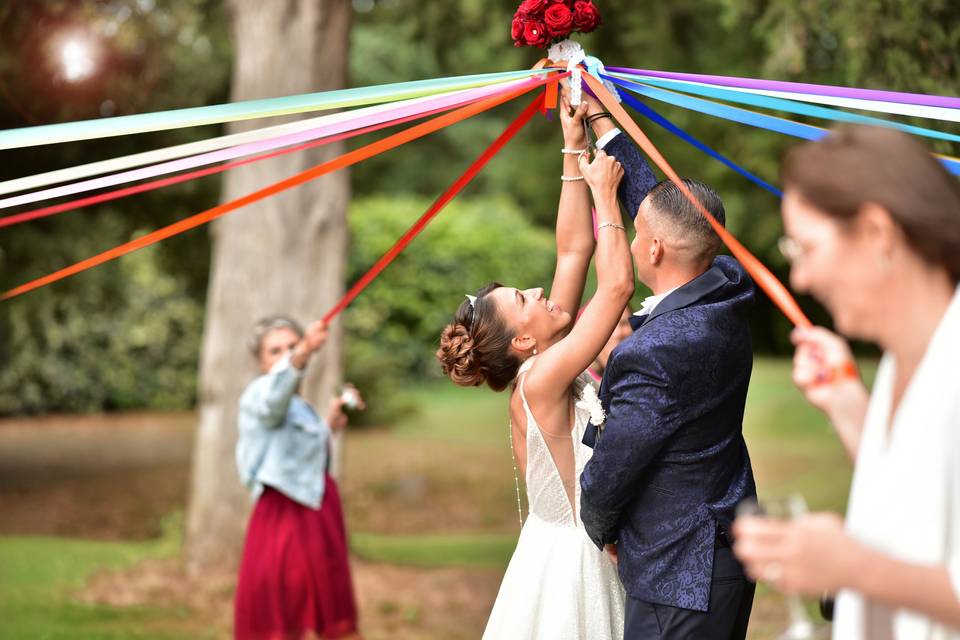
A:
(438, 204)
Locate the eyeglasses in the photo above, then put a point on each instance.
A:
(791, 249)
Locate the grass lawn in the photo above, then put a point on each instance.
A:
(434, 497)
(39, 574)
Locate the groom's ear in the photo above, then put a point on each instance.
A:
(655, 251)
(523, 344)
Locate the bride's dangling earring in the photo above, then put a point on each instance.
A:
(534, 351)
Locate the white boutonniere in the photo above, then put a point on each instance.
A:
(591, 403)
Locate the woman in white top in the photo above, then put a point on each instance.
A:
(873, 232)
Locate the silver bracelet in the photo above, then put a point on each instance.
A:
(572, 152)
(611, 224)
(571, 178)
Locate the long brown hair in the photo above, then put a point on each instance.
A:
(857, 164)
(475, 347)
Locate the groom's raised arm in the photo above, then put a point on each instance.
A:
(638, 177)
(641, 417)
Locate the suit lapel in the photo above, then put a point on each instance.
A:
(695, 290)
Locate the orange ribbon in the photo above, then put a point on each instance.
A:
(760, 274)
(437, 206)
(340, 162)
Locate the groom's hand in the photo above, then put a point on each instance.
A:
(611, 550)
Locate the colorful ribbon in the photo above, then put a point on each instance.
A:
(760, 274)
(799, 108)
(891, 108)
(745, 116)
(448, 195)
(801, 87)
(100, 198)
(340, 162)
(246, 110)
(359, 120)
(131, 161)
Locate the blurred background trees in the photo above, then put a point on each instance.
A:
(127, 334)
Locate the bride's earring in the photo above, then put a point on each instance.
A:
(534, 351)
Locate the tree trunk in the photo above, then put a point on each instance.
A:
(285, 254)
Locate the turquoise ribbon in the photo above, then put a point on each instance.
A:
(743, 116)
(247, 110)
(790, 106)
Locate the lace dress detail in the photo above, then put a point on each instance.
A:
(558, 585)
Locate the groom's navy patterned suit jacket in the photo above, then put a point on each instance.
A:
(670, 464)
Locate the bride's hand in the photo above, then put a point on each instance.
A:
(603, 175)
(571, 121)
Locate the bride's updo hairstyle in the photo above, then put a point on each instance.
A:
(475, 348)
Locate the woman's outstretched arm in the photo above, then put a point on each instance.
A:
(575, 240)
(559, 365)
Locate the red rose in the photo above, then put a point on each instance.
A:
(516, 30)
(530, 8)
(559, 20)
(586, 17)
(535, 33)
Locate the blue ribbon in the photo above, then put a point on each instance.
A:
(743, 116)
(686, 137)
(792, 106)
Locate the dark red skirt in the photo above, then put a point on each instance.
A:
(295, 577)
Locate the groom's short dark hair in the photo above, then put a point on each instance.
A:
(668, 201)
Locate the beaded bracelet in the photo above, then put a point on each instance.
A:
(611, 224)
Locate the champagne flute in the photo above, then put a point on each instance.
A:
(802, 626)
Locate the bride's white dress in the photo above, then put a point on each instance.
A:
(558, 585)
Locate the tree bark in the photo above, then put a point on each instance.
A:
(285, 254)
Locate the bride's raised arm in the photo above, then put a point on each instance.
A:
(575, 240)
(559, 365)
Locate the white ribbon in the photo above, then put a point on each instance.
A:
(574, 54)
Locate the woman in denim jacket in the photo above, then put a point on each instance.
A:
(294, 576)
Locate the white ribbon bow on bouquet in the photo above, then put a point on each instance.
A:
(574, 54)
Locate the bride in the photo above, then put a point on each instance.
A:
(558, 585)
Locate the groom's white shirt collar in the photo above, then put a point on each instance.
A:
(650, 303)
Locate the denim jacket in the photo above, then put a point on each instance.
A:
(283, 443)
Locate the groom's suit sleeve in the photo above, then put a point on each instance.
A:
(638, 177)
(642, 415)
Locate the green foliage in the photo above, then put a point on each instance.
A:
(125, 336)
(392, 330)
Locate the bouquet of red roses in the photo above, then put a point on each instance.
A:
(537, 23)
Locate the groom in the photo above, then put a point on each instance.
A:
(670, 463)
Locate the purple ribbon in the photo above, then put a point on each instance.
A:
(801, 87)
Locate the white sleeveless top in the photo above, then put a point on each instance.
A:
(548, 473)
(558, 585)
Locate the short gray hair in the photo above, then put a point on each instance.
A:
(268, 324)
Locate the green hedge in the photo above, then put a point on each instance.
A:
(126, 335)
(393, 329)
